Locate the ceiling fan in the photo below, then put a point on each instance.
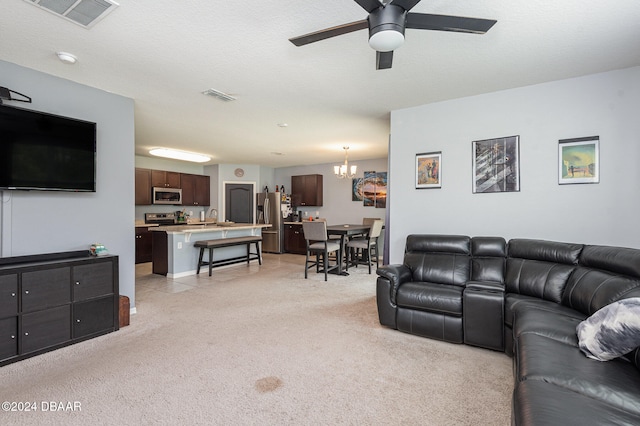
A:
(387, 22)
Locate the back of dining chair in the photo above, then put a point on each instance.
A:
(376, 229)
(315, 231)
(369, 220)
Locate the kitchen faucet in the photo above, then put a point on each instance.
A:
(212, 213)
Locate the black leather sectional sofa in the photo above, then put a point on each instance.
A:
(526, 298)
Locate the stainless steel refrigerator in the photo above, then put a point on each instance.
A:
(269, 208)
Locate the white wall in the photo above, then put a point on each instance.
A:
(43, 222)
(605, 104)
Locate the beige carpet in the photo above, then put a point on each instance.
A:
(261, 345)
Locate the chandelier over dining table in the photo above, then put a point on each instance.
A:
(343, 171)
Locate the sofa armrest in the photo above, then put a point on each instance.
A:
(396, 274)
(485, 285)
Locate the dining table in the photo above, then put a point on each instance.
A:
(346, 231)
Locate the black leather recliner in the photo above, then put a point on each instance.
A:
(526, 298)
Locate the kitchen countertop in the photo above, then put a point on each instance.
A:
(207, 227)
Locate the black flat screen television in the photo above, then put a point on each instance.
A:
(40, 151)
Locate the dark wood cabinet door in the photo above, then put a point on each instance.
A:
(164, 179)
(307, 190)
(46, 288)
(8, 337)
(8, 295)
(143, 245)
(188, 184)
(294, 239)
(93, 317)
(94, 280)
(46, 328)
(203, 190)
(143, 187)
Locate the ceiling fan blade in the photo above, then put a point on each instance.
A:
(384, 60)
(405, 4)
(369, 5)
(425, 21)
(329, 32)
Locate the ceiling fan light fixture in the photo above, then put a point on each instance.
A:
(386, 40)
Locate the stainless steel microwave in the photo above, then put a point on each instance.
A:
(167, 196)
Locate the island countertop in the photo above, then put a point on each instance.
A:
(208, 227)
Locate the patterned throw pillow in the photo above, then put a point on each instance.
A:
(611, 331)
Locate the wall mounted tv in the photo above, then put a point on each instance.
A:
(47, 152)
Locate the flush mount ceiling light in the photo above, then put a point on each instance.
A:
(225, 97)
(344, 171)
(179, 155)
(67, 58)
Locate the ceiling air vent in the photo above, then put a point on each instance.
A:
(217, 94)
(82, 12)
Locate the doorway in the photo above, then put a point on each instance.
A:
(238, 202)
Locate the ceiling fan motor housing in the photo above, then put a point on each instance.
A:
(387, 18)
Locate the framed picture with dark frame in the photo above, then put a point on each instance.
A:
(429, 170)
(496, 165)
(579, 160)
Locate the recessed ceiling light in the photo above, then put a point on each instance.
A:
(276, 153)
(283, 125)
(180, 155)
(67, 58)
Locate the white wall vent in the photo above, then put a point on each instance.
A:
(82, 12)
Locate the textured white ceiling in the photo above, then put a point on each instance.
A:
(164, 53)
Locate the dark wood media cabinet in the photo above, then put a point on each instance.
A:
(48, 301)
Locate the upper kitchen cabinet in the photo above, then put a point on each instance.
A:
(195, 190)
(143, 186)
(164, 179)
(306, 190)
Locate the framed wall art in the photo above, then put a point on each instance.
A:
(429, 170)
(496, 165)
(579, 160)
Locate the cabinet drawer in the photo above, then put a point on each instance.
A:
(8, 337)
(46, 328)
(8, 295)
(93, 280)
(46, 288)
(93, 317)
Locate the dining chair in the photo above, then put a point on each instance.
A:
(315, 233)
(367, 247)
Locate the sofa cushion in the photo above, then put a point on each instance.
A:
(541, 358)
(446, 299)
(590, 289)
(619, 260)
(553, 321)
(442, 268)
(544, 280)
(537, 402)
(612, 331)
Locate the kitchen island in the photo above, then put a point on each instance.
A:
(174, 254)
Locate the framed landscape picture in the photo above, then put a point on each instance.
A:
(579, 160)
(496, 165)
(429, 170)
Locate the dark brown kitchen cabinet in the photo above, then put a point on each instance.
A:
(294, 241)
(143, 245)
(164, 179)
(306, 190)
(195, 190)
(143, 187)
(48, 301)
